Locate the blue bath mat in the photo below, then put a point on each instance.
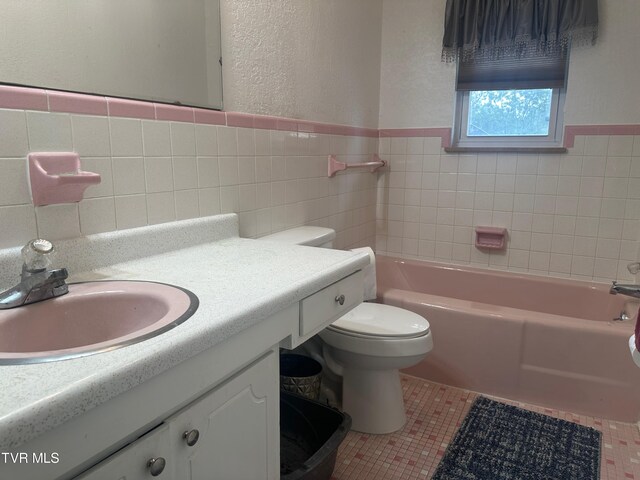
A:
(502, 442)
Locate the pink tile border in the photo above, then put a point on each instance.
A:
(174, 113)
(23, 98)
(265, 122)
(237, 119)
(209, 117)
(570, 131)
(26, 98)
(442, 132)
(77, 103)
(120, 107)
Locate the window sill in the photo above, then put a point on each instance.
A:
(505, 149)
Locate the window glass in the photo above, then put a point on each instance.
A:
(505, 113)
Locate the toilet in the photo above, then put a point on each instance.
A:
(367, 347)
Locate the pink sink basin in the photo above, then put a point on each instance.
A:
(93, 317)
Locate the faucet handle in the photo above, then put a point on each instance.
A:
(37, 255)
(633, 268)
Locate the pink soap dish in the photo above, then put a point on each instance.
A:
(56, 178)
(491, 237)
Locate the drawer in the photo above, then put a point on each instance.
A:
(322, 308)
(132, 462)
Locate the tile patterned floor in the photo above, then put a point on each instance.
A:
(434, 414)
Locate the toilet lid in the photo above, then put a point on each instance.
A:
(377, 320)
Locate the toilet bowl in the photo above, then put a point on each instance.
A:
(367, 347)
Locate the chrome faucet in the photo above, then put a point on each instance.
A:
(628, 290)
(37, 281)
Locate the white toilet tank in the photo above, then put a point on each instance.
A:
(308, 235)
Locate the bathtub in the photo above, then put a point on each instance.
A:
(546, 341)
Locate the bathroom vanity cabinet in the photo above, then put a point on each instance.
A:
(228, 393)
(227, 433)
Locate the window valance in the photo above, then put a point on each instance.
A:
(493, 29)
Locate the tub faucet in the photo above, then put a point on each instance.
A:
(628, 290)
(37, 281)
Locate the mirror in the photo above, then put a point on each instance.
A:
(160, 50)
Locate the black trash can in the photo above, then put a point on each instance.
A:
(310, 434)
(300, 374)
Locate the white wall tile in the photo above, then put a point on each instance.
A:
(229, 199)
(570, 165)
(596, 145)
(22, 220)
(246, 142)
(128, 175)
(318, 144)
(615, 188)
(208, 175)
(527, 164)
(585, 246)
(487, 163)
(185, 173)
(247, 197)
(618, 166)
(161, 207)
(126, 137)
(246, 170)
(228, 167)
(620, 145)
(97, 215)
(227, 141)
(568, 185)
(187, 204)
(587, 226)
(183, 139)
(206, 140)
(209, 201)
(14, 185)
(91, 137)
(432, 145)
(58, 222)
(13, 134)
(158, 174)
(131, 211)
(594, 166)
(157, 138)
(49, 132)
(103, 166)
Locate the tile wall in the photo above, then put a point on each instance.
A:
(159, 171)
(568, 215)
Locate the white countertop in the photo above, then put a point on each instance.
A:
(239, 282)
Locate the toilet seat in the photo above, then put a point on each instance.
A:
(375, 320)
(412, 338)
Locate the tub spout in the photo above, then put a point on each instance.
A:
(628, 290)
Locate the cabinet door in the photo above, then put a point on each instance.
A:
(237, 428)
(132, 462)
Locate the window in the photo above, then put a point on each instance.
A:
(510, 103)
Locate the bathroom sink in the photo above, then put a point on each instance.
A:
(93, 317)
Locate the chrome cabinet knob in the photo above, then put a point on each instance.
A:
(156, 466)
(340, 299)
(191, 437)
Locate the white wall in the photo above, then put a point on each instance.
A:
(306, 59)
(601, 78)
(575, 214)
(417, 89)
